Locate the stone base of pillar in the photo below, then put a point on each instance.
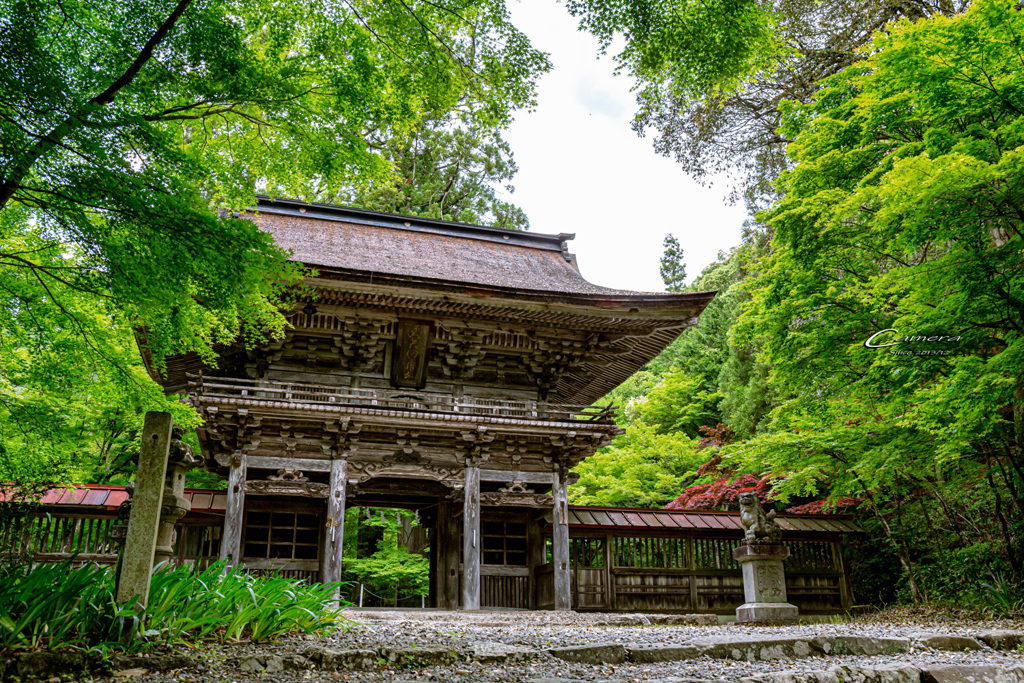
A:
(764, 585)
(766, 613)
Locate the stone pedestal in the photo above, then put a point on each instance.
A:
(764, 585)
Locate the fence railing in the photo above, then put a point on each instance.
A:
(277, 393)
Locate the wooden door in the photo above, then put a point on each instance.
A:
(589, 574)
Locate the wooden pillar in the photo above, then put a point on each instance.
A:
(691, 564)
(231, 538)
(143, 524)
(535, 556)
(560, 539)
(335, 525)
(609, 572)
(471, 538)
(433, 575)
(448, 556)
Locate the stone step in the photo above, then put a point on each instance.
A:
(906, 673)
(1002, 639)
(769, 648)
(593, 653)
(943, 641)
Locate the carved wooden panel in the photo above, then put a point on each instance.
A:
(409, 365)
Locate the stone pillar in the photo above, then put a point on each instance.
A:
(335, 526)
(471, 540)
(560, 538)
(175, 505)
(448, 556)
(231, 538)
(140, 545)
(764, 584)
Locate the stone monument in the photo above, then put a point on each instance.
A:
(761, 555)
(174, 504)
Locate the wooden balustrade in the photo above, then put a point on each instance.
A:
(210, 389)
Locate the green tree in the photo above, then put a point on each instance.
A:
(127, 125)
(127, 133)
(72, 387)
(447, 170)
(639, 469)
(673, 269)
(731, 126)
(903, 210)
(388, 570)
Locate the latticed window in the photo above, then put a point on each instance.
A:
(810, 556)
(281, 536)
(663, 553)
(587, 552)
(504, 543)
(714, 553)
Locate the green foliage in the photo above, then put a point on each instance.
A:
(902, 211)
(54, 605)
(673, 269)
(642, 468)
(186, 605)
(128, 131)
(683, 48)
(447, 170)
(387, 569)
(679, 403)
(73, 390)
(876, 232)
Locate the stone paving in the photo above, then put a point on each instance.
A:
(539, 647)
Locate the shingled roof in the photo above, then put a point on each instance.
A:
(336, 237)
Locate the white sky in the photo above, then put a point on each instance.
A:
(582, 169)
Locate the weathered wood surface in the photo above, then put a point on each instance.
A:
(140, 545)
(267, 462)
(231, 540)
(506, 476)
(448, 556)
(471, 540)
(560, 541)
(505, 591)
(494, 570)
(334, 530)
(535, 556)
(283, 565)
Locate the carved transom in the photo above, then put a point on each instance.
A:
(288, 474)
(516, 486)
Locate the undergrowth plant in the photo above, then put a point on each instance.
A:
(59, 606)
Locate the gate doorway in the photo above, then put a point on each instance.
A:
(589, 577)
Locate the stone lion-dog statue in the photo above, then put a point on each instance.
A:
(759, 527)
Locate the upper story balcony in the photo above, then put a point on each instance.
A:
(302, 396)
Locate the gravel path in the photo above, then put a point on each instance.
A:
(540, 631)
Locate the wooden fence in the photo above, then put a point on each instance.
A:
(85, 536)
(691, 573)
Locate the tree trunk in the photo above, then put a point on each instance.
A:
(901, 547)
(1004, 526)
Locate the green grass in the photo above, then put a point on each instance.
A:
(55, 606)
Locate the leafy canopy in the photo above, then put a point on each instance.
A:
(903, 211)
(447, 170)
(126, 125)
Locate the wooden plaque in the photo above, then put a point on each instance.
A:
(409, 361)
